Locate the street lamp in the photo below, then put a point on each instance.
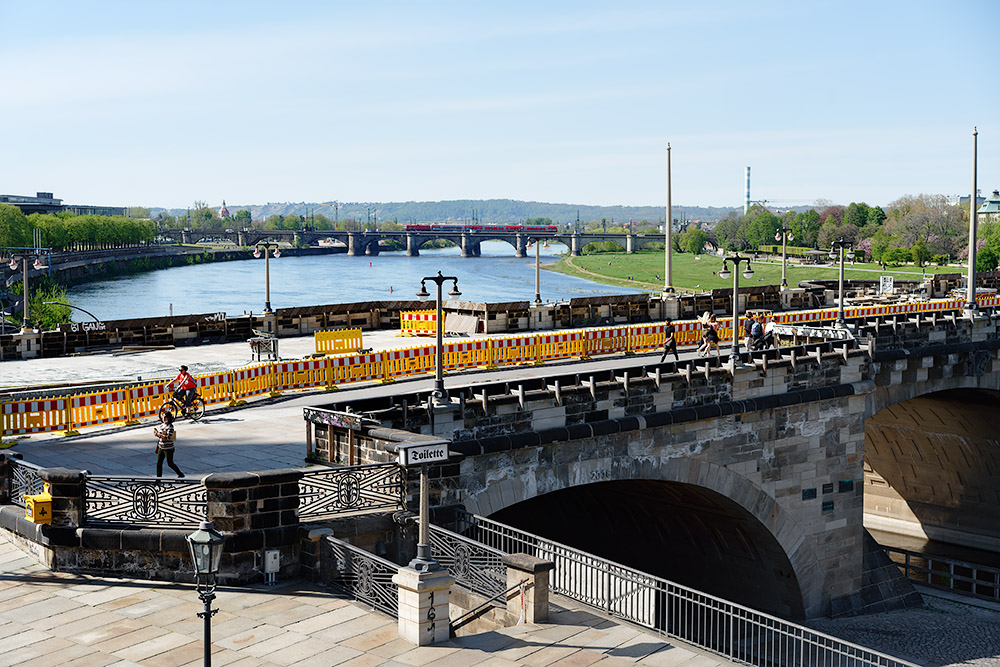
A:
(21, 259)
(538, 294)
(724, 274)
(841, 245)
(784, 235)
(206, 553)
(439, 393)
(267, 246)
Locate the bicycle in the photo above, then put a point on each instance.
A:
(195, 411)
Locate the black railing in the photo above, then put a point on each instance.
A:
(150, 501)
(23, 480)
(325, 493)
(720, 626)
(474, 565)
(362, 575)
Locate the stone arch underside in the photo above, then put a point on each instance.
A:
(932, 467)
(724, 535)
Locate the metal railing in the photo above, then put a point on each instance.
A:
(720, 626)
(325, 493)
(947, 573)
(23, 480)
(474, 565)
(151, 501)
(362, 575)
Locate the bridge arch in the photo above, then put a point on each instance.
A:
(932, 466)
(766, 532)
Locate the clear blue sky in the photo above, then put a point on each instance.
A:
(165, 103)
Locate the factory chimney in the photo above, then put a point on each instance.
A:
(746, 206)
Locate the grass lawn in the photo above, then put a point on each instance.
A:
(698, 273)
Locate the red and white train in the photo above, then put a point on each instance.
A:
(443, 227)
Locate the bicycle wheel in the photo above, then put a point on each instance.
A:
(197, 408)
(168, 407)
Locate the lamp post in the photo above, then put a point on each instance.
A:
(538, 279)
(668, 269)
(784, 235)
(971, 306)
(21, 258)
(724, 274)
(439, 394)
(841, 244)
(205, 545)
(269, 248)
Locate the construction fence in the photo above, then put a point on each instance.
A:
(128, 405)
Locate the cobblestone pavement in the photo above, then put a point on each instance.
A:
(52, 618)
(943, 632)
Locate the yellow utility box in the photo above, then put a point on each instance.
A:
(38, 508)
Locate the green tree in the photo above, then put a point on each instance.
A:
(242, 218)
(876, 216)
(920, 253)
(987, 259)
(693, 240)
(805, 228)
(897, 256)
(14, 228)
(856, 214)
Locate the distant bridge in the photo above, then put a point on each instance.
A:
(365, 242)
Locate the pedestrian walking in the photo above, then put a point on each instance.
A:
(669, 342)
(165, 437)
(710, 335)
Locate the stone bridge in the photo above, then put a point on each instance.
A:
(753, 483)
(366, 242)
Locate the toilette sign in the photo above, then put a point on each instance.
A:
(429, 453)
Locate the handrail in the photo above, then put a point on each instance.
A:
(456, 623)
(725, 628)
(954, 575)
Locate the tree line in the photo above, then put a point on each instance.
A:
(66, 231)
(921, 229)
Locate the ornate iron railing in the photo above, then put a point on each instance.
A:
(474, 565)
(151, 501)
(325, 493)
(720, 626)
(947, 573)
(362, 575)
(23, 479)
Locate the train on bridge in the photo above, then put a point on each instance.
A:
(438, 227)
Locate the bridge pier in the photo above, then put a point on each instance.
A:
(185, 237)
(519, 243)
(296, 239)
(470, 247)
(371, 248)
(629, 244)
(412, 245)
(352, 244)
(575, 245)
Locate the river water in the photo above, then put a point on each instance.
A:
(235, 287)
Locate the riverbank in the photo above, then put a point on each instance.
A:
(694, 273)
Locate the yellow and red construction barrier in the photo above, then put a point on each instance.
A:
(67, 413)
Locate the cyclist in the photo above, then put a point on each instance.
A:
(186, 387)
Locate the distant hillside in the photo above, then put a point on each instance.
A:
(488, 211)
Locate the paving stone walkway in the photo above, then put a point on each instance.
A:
(51, 618)
(944, 632)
